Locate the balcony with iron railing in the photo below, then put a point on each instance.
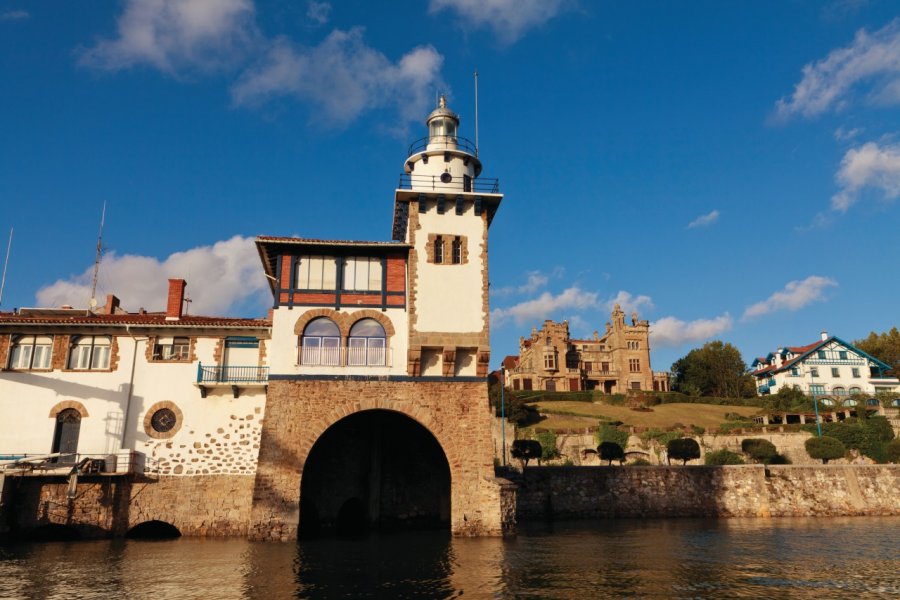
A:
(444, 184)
(442, 143)
(233, 376)
(335, 357)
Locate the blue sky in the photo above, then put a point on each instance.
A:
(730, 170)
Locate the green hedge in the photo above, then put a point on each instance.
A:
(723, 457)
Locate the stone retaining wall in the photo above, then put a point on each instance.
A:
(731, 491)
(216, 505)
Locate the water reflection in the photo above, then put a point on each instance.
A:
(754, 558)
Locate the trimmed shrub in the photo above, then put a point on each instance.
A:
(892, 450)
(610, 433)
(641, 462)
(779, 459)
(526, 450)
(610, 451)
(869, 436)
(683, 449)
(723, 457)
(825, 448)
(759, 449)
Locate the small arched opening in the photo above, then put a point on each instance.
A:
(374, 470)
(153, 530)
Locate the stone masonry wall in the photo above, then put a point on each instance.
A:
(299, 411)
(110, 506)
(731, 491)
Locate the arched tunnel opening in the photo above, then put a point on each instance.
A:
(375, 470)
(153, 530)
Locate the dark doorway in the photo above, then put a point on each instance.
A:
(374, 470)
(65, 436)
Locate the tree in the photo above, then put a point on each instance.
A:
(526, 450)
(759, 449)
(683, 449)
(825, 448)
(723, 457)
(883, 346)
(611, 451)
(716, 369)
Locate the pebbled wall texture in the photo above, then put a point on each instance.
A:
(702, 491)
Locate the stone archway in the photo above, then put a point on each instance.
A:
(375, 469)
(299, 410)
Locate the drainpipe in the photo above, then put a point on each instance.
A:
(130, 385)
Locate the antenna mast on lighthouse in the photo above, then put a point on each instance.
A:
(5, 265)
(476, 112)
(99, 256)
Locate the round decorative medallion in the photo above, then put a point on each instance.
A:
(163, 420)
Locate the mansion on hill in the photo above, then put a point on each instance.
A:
(829, 368)
(617, 362)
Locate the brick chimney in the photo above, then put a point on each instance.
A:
(176, 299)
(112, 305)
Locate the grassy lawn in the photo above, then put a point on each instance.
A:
(663, 415)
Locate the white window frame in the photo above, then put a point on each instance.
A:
(86, 354)
(31, 352)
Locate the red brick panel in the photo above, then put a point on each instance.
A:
(314, 298)
(361, 299)
(396, 273)
(285, 272)
(396, 300)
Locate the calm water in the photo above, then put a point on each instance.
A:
(782, 558)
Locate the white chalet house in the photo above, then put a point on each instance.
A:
(830, 368)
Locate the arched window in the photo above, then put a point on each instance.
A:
(367, 344)
(89, 352)
(855, 390)
(31, 352)
(838, 391)
(321, 343)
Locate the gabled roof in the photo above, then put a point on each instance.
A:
(510, 362)
(801, 352)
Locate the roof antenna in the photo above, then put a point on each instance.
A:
(476, 112)
(5, 265)
(99, 256)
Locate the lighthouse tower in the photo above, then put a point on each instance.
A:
(443, 210)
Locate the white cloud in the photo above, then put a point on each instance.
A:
(845, 135)
(343, 77)
(704, 220)
(219, 278)
(827, 83)
(176, 35)
(671, 331)
(318, 12)
(544, 306)
(628, 302)
(794, 296)
(535, 281)
(509, 19)
(14, 15)
(869, 165)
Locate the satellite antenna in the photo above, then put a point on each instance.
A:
(98, 257)
(5, 265)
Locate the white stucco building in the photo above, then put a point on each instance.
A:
(829, 368)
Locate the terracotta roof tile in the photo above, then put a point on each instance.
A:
(139, 319)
